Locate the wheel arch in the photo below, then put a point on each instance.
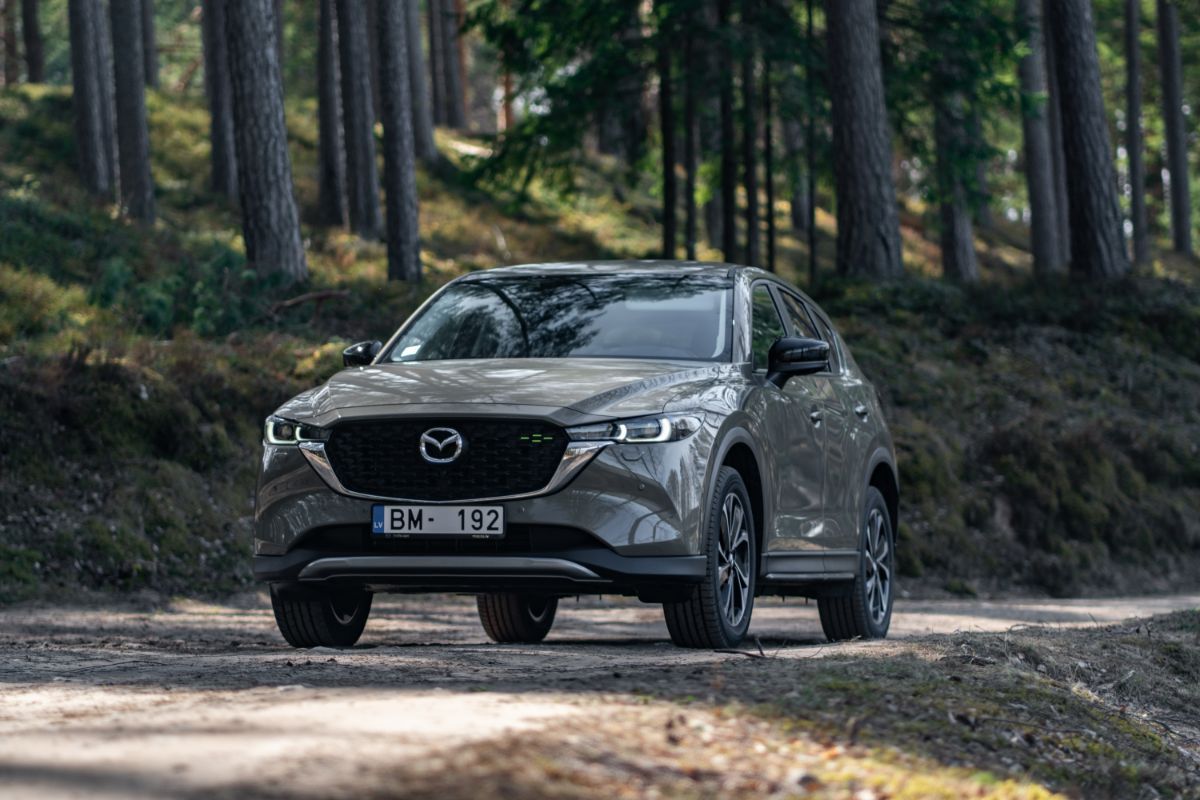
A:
(882, 475)
(739, 451)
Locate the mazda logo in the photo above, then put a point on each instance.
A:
(441, 445)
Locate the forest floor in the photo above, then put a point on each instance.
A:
(968, 699)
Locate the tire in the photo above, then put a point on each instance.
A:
(717, 614)
(321, 617)
(865, 612)
(516, 618)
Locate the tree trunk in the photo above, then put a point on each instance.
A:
(1133, 131)
(1171, 66)
(331, 170)
(12, 54)
(399, 152)
(362, 176)
(689, 144)
(769, 163)
(454, 96)
(952, 138)
(666, 117)
(793, 148)
(220, 99)
(981, 202)
(1097, 244)
(1045, 233)
(1058, 157)
(868, 227)
(88, 96)
(133, 134)
(422, 116)
(149, 44)
(31, 32)
(750, 148)
(277, 11)
(437, 77)
(810, 141)
(373, 47)
(728, 144)
(270, 222)
(108, 87)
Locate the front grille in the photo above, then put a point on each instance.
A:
(499, 458)
(518, 540)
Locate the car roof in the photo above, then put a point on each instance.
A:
(628, 267)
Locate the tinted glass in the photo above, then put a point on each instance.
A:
(766, 327)
(835, 355)
(574, 316)
(798, 316)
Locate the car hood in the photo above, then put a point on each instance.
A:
(589, 387)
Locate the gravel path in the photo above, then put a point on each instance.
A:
(205, 700)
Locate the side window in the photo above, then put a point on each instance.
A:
(835, 355)
(765, 325)
(798, 316)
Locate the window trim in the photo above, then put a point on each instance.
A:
(818, 320)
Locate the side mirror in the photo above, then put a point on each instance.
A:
(361, 354)
(795, 356)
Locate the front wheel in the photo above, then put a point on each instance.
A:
(717, 614)
(866, 611)
(321, 617)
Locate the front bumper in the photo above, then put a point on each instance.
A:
(626, 522)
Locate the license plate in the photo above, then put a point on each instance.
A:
(485, 522)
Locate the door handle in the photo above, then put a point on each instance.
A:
(861, 410)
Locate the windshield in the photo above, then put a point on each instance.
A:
(675, 317)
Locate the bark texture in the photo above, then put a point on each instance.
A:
(666, 117)
(31, 34)
(331, 156)
(108, 90)
(358, 120)
(1133, 131)
(1171, 67)
(750, 159)
(399, 150)
(453, 95)
(270, 222)
(220, 99)
(769, 163)
(728, 143)
(149, 44)
(868, 239)
(133, 134)
(88, 96)
(1045, 232)
(793, 148)
(1097, 244)
(1058, 157)
(422, 113)
(689, 146)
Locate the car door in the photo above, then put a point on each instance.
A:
(839, 531)
(792, 438)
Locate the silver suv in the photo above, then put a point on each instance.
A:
(692, 434)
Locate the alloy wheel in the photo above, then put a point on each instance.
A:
(878, 557)
(733, 560)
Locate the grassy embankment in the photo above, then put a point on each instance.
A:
(1049, 436)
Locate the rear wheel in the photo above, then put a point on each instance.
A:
(717, 614)
(516, 618)
(866, 611)
(321, 617)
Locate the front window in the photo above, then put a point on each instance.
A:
(670, 317)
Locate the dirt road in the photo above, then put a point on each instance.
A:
(203, 700)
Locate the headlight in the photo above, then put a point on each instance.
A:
(283, 431)
(643, 430)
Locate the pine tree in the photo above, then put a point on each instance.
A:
(399, 151)
(133, 134)
(331, 151)
(270, 222)
(31, 33)
(88, 97)
(358, 119)
(1171, 66)
(217, 87)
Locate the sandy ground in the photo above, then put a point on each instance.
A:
(206, 700)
